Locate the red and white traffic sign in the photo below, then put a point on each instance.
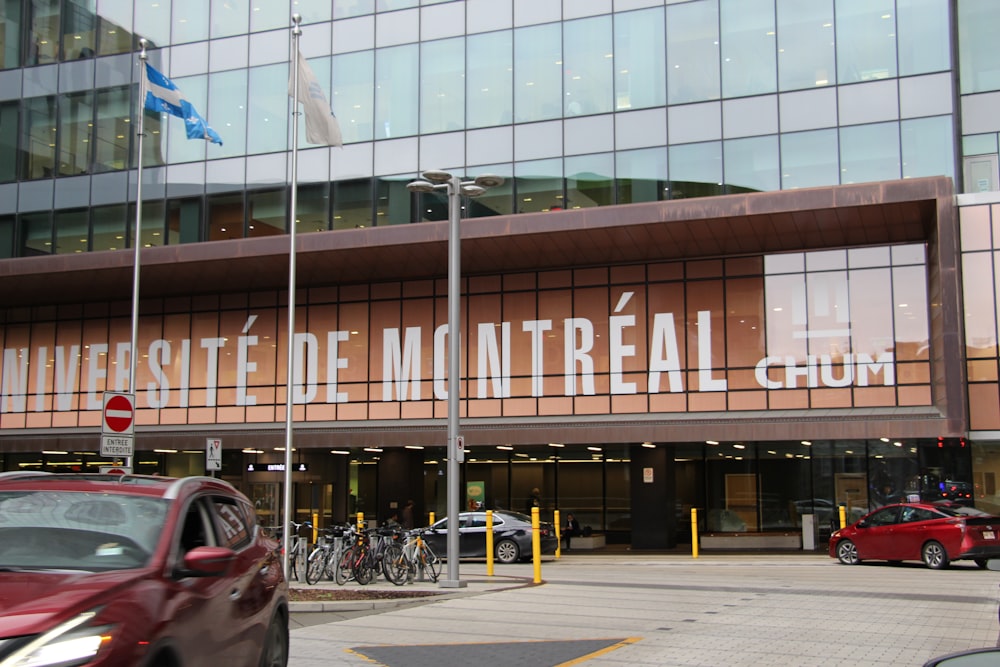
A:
(119, 414)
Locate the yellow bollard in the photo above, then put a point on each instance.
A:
(843, 516)
(431, 520)
(694, 532)
(489, 543)
(536, 546)
(555, 520)
(361, 521)
(315, 527)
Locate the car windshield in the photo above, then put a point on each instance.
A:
(78, 530)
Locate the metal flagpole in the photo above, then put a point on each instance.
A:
(286, 532)
(136, 240)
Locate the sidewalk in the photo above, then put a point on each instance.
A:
(613, 610)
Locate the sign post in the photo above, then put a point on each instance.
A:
(118, 425)
(213, 454)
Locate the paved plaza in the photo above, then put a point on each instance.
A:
(613, 610)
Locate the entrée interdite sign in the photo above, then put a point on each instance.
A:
(648, 339)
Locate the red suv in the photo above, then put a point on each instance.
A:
(121, 570)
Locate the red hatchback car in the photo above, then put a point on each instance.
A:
(933, 534)
(118, 570)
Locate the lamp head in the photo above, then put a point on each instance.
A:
(489, 181)
(472, 190)
(437, 176)
(420, 186)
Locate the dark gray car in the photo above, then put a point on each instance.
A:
(511, 536)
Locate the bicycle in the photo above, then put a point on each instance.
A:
(327, 551)
(403, 561)
(298, 548)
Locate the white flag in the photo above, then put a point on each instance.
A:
(321, 125)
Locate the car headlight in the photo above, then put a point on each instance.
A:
(72, 643)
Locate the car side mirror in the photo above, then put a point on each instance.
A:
(206, 562)
(980, 657)
(863, 523)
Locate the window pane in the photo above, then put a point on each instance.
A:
(695, 170)
(114, 26)
(271, 14)
(10, 33)
(692, 52)
(36, 234)
(393, 201)
(76, 120)
(397, 83)
(179, 147)
(230, 17)
(909, 289)
(38, 141)
(641, 175)
(267, 120)
(537, 73)
(805, 44)
(227, 104)
(152, 223)
(43, 44)
(8, 141)
(353, 95)
(442, 85)
(79, 29)
(184, 221)
(490, 79)
(109, 227)
(866, 44)
(588, 80)
(869, 153)
(352, 204)
(71, 232)
(312, 205)
(266, 213)
(809, 159)
(153, 22)
(113, 130)
(539, 186)
(225, 217)
(6, 237)
(190, 21)
(345, 8)
(928, 147)
(978, 26)
(924, 36)
(747, 47)
(752, 163)
(640, 59)
(590, 181)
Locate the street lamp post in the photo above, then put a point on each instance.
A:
(436, 180)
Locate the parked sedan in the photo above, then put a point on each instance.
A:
(108, 570)
(511, 536)
(933, 534)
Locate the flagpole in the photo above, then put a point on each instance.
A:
(134, 340)
(286, 533)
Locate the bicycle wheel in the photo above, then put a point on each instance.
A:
(432, 566)
(316, 565)
(343, 572)
(394, 564)
(364, 568)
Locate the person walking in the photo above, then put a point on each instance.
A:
(408, 515)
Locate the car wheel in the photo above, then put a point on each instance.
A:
(275, 651)
(507, 551)
(934, 556)
(847, 553)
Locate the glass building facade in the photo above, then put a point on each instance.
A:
(600, 107)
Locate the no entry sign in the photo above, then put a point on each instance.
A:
(119, 414)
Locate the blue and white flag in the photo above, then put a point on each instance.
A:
(321, 125)
(162, 95)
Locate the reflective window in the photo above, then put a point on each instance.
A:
(43, 43)
(345, 8)
(227, 112)
(588, 80)
(271, 14)
(79, 38)
(352, 204)
(869, 153)
(978, 27)
(752, 163)
(747, 40)
(397, 82)
(497, 200)
(8, 141)
(489, 84)
(154, 149)
(267, 117)
(392, 201)
(225, 217)
(230, 17)
(442, 85)
(641, 175)
(640, 59)
(109, 227)
(809, 159)
(912, 333)
(184, 221)
(10, 33)
(266, 213)
(38, 138)
(6, 237)
(312, 12)
(806, 54)
(71, 232)
(312, 208)
(390, 5)
(114, 24)
(538, 73)
(695, 170)
(539, 186)
(114, 133)
(866, 44)
(152, 223)
(590, 181)
(190, 21)
(152, 20)
(353, 94)
(928, 146)
(692, 52)
(36, 234)
(924, 36)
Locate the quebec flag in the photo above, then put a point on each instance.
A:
(162, 95)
